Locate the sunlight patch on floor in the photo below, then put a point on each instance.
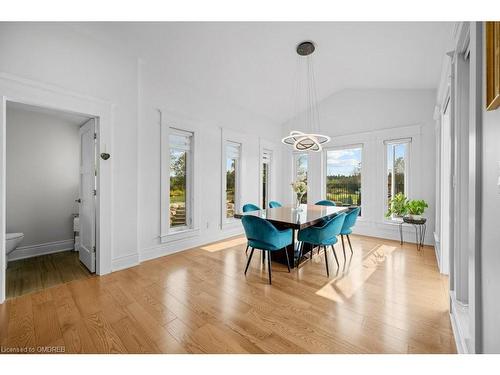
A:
(224, 245)
(344, 287)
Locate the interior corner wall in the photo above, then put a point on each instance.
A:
(357, 116)
(56, 54)
(207, 116)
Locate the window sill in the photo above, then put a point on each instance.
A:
(179, 235)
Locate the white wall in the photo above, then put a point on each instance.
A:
(55, 54)
(367, 117)
(490, 234)
(42, 176)
(182, 107)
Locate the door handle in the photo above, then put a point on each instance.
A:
(78, 200)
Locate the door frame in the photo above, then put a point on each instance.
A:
(18, 89)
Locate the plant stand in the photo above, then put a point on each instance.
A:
(420, 228)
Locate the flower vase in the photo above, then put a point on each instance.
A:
(298, 202)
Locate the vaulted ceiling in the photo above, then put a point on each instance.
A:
(253, 65)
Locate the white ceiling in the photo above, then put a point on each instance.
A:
(73, 119)
(253, 65)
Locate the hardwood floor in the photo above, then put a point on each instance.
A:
(33, 274)
(386, 299)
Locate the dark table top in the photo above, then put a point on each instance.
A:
(289, 217)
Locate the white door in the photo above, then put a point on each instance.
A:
(86, 246)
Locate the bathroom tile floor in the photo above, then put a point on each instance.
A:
(34, 274)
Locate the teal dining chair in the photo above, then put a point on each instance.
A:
(349, 222)
(247, 208)
(264, 236)
(322, 236)
(325, 202)
(275, 204)
(250, 207)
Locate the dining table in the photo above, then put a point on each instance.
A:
(295, 218)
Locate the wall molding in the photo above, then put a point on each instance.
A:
(123, 262)
(165, 249)
(31, 251)
(458, 315)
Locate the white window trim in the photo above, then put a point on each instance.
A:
(225, 221)
(174, 124)
(408, 166)
(295, 156)
(325, 170)
(270, 171)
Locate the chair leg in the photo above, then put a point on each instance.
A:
(269, 265)
(335, 255)
(287, 260)
(301, 247)
(246, 251)
(326, 262)
(349, 240)
(343, 245)
(263, 256)
(249, 259)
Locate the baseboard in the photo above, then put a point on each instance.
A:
(457, 325)
(31, 251)
(124, 262)
(186, 244)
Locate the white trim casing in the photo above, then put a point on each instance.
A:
(170, 122)
(21, 90)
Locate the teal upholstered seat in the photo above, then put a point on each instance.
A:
(323, 236)
(275, 204)
(262, 235)
(247, 208)
(250, 207)
(349, 222)
(325, 202)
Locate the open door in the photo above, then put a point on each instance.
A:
(87, 210)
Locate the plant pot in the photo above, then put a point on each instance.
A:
(414, 217)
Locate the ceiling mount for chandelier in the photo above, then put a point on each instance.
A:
(310, 139)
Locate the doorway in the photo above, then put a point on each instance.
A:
(50, 197)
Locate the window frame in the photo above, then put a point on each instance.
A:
(237, 183)
(295, 156)
(171, 122)
(325, 170)
(270, 159)
(407, 187)
(189, 179)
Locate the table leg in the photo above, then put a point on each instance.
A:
(401, 233)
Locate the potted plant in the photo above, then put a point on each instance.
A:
(299, 188)
(397, 206)
(416, 208)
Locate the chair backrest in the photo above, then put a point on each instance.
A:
(274, 204)
(351, 218)
(250, 207)
(259, 229)
(333, 227)
(325, 203)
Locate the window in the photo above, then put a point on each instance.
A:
(265, 179)
(231, 189)
(300, 171)
(343, 176)
(397, 167)
(180, 144)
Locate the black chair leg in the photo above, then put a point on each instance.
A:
(246, 251)
(343, 246)
(335, 255)
(326, 262)
(301, 247)
(287, 260)
(349, 240)
(269, 265)
(249, 259)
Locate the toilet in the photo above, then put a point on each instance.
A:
(12, 241)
